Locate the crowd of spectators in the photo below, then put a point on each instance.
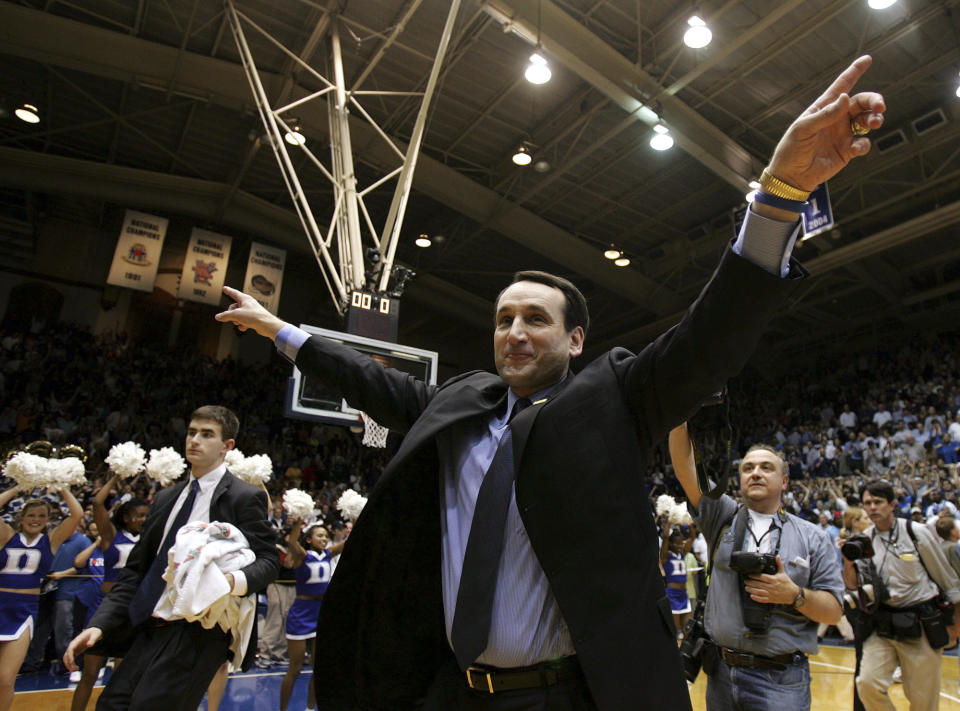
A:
(890, 412)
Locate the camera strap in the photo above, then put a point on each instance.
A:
(723, 476)
(913, 537)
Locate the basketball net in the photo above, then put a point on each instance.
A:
(374, 435)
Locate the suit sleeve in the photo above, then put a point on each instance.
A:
(666, 383)
(251, 512)
(393, 398)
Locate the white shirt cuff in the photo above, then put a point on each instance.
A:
(239, 583)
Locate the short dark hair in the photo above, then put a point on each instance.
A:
(945, 526)
(576, 313)
(880, 488)
(229, 424)
(119, 516)
(762, 446)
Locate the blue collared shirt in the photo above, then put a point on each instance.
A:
(526, 626)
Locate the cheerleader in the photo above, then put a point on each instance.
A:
(25, 559)
(119, 533)
(313, 569)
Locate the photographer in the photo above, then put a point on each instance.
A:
(774, 577)
(901, 564)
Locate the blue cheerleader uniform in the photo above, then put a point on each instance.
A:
(313, 576)
(22, 566)
(116, 554)
(675, 571)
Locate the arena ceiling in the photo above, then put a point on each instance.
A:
(144, 104)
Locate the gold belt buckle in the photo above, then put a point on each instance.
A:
(486, 674)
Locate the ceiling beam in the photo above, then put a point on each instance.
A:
(600, 65)
(895, 236)
(48, 38)
(204, 200)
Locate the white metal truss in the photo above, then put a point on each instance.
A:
(340, 252)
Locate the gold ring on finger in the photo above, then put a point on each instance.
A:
(857, 128)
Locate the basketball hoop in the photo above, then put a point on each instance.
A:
(374, 435)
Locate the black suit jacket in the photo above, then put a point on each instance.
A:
(233, 501)
(580, 493)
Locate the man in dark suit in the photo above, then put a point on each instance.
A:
(559, 615)
(172, 661)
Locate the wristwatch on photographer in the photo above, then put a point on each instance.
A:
(800, 600)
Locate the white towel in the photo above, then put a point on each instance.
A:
(197, 589)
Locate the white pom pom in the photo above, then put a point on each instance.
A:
(680, 514)
(126, 459)
(298, 504)
(255, 469)
(350, 504)
(665, 505)
(64, 473)
(165, 465)
(234, 459)
(28, 470)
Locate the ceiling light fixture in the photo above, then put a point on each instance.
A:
(28, 113)
(622, 262)
(522, 156)
(541, 166)
(538, 71)
(612, 252)
(423, 241)
(661, 140)
(881, 4)
(698, 35)
(294, 137)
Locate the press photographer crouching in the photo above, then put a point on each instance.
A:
(907, 595)
(773, 579)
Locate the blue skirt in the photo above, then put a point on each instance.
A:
(302, 619)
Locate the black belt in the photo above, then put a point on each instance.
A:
(493, 679)
(736, 658)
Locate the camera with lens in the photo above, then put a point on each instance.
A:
(857, 547)
(753, 563)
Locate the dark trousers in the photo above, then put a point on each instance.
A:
(449, 692)
(168, 668)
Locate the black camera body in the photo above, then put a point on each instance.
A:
(753, 563)
(857, 547)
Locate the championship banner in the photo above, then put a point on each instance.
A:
(818, 214)
(265, 275)
(137, 256)
(204, 267)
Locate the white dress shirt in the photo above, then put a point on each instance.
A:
(200, 512)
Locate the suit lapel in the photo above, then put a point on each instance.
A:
(459, 403)
(523, 423)
(223, 486)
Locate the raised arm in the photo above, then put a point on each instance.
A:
(100, 514)
(685, 465)
(83, 557)
(296, 552)
(6, 530)
(69, 524)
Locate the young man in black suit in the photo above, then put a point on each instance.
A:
(172, 661)
(554, 614)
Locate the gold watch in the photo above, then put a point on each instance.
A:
(800, 600)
